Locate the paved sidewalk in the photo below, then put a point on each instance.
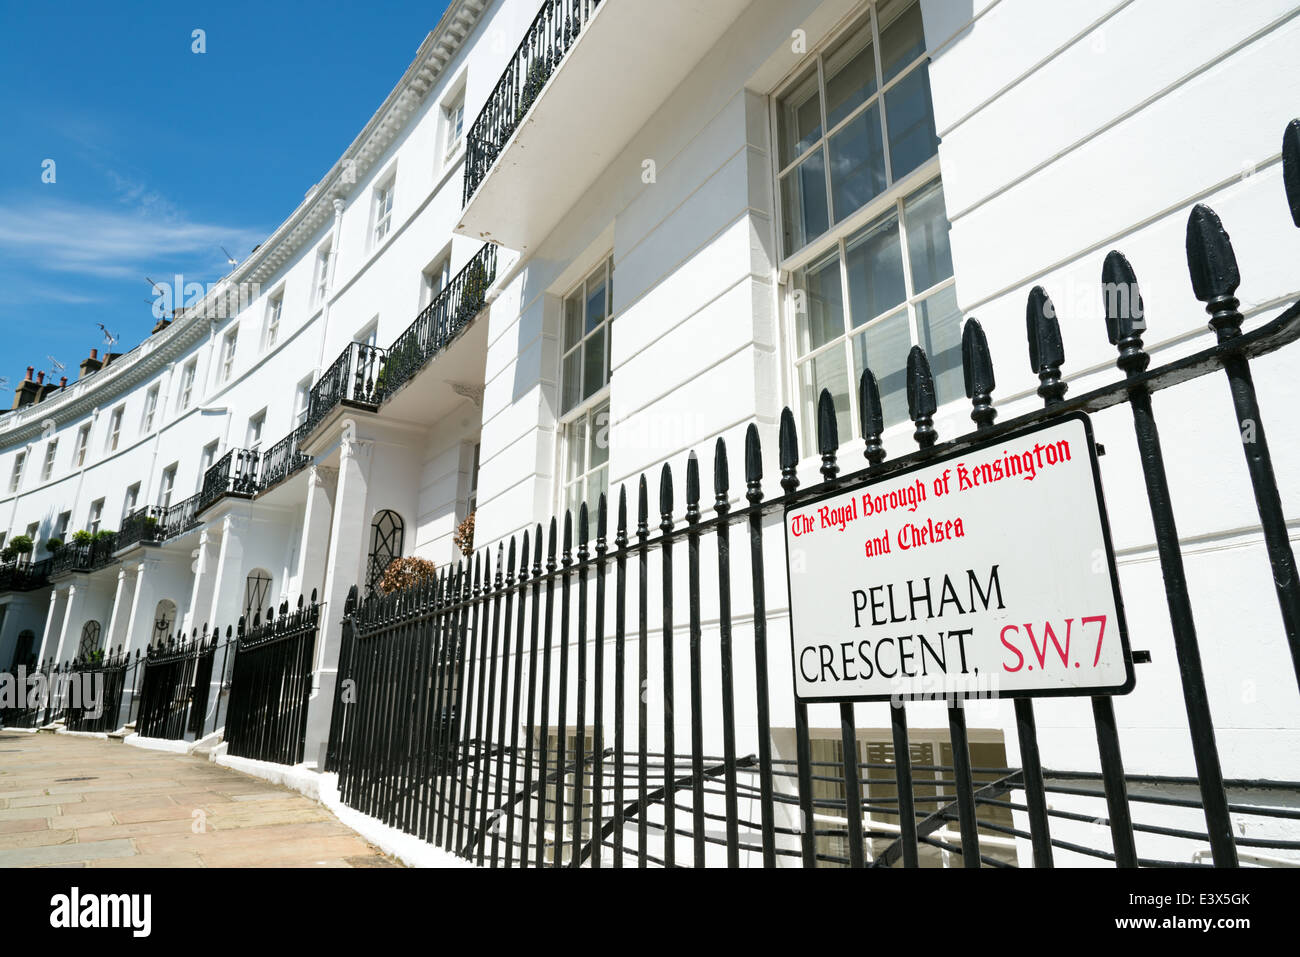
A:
(68, 801)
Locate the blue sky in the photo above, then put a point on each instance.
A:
(163, 155)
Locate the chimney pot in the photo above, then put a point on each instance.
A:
(30, 370)
(40, 377)
(94, 353)
(63, 382)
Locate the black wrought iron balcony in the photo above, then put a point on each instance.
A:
(235, 473)
(181, 517)
(440, 322)
(282, 460)
(144, 526)
(553, 31)
(25, 576)
(353, 379)
(84, 556)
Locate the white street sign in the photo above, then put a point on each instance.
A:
(987, 572)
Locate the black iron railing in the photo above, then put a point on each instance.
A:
(353, 379)
(523, 646)
(176, 686)
(235, 473)
(95, 692)
(266, 718)
(283, 459)
(553, 31)
(19, 575)
(84, 556)
(144, 526)
(440, 322)
(181, 517)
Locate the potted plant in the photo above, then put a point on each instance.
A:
(464, 537)
(54, 546)
(474, 292)
(21, 545)
(82, 537)
(404, 573)
(8, 554)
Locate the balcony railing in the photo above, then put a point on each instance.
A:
(440, 322)
(181, 517)
(84, 556)
(553, 31)
(282, 460)
(235, 473)
(25, 576)
(353, 379)
(144, 526)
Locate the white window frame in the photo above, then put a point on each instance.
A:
(130, 500)
(302, 401)
(321, 287)
(51, 450)
(83, 444)
(440, 271)
(453, 117)
(274, 312)
(382, 215)
(207, 458)
(585, 411)
(95, 517)
(838, 235)
(150, 409)
(114, 437)
(16, 477)
(228, 343)
(167, 485)
(256, 430)
(186, 392)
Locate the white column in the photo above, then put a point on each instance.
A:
(70, 632)
(50, 636)
(347, 540)
(140, 622)
(119, 618)
(228, 580)
(313, 553)
(205, 563)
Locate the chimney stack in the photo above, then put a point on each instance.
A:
(25, 393)
(92, 364)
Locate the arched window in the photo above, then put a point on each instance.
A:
(385, 544)
(257, 590)
(164, 621)
(89, 639)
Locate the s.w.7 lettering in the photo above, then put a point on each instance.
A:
(1045, 640)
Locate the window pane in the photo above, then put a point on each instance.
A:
(902, 37)
(577, 445)
(827, 371)
(927, 238)
(597, 484)
(571, 379)
(598, 437)
(912, 139)
(799, 118)
(939, 332)
(595, 300)
(818, 304)
(803, 202)
(857, 163)
(850, 71)
(572, 320)
(883, 347)
(593, 369)
(875, 265)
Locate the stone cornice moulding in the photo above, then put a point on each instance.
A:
(440, 46)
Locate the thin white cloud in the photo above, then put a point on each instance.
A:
(115, 243)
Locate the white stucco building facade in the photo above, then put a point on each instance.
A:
(710, 211)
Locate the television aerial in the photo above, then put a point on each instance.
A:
(109, 339)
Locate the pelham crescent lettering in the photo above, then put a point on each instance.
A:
(914, 655)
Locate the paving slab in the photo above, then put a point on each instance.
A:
(81, 802)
